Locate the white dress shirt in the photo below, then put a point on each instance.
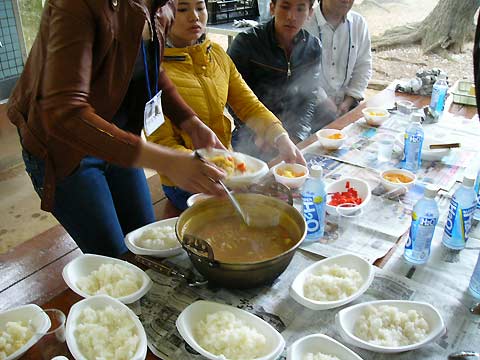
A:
(346, 54)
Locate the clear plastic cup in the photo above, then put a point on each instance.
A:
(53, 342)
(385, 147)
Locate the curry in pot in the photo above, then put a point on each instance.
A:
(234, 242)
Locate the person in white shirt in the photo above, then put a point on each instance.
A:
(346, 53)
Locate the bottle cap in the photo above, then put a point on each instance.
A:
(316, 171)
(416, 117)
(468, 180)
(431, 191)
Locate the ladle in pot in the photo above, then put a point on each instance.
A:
(235, 204)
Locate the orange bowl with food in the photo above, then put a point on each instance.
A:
(375, 116)
(331, 139)
(291, 175)
(396, 178)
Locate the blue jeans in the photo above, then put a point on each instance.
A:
(98, 204)
(177, 196)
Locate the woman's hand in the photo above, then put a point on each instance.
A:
(183, 168)
(288, 151)
(202, 136)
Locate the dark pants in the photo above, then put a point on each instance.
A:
(98, 204)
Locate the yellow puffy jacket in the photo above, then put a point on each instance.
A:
(207, 79)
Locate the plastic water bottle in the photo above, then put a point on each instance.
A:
(412, 150)
(314, 199)
(474, 286)
(460, 214)
(439, 94)
(476, 215)
(424, 219)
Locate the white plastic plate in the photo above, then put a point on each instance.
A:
(31, 315)
(256, 168)
(346, 318)
(197, 311)
(131, 240)
(351, 261)
(319, 343)
(85, 264)
(100, 302)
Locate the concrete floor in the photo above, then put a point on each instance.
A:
(20, 214)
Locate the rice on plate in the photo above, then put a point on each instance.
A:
(386, 325)
(319, 356)
(332, 283)
(222, 333)
(115, 280)
(158, 238)
(13, 337)
(106, 334)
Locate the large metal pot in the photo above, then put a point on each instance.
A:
(264, 210)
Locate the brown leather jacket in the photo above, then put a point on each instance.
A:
(75, 79)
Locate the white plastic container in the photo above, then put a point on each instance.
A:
(362, 188)
(346, 318)
(100, 302)
(132, 239)
(375, 116)
(351, 261)
(84, 265)
(331, 144)
(291, 182)
(319, 343)
(197, 311)
(29, 314)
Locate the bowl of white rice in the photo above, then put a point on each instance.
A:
(332, 282)
(101, 327)
(390, 326)
(157, 239)
(20, 329)
(220, 332)
(319, 347)
(90, 275)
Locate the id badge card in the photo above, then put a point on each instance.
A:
(153, 114)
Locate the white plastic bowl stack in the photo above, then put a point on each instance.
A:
(346, 319)
(132, 240)
(351, 261)
(84, 265)
(294, 182)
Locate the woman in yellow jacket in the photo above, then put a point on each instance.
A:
(207, 79)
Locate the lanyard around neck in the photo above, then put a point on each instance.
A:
(147, 77)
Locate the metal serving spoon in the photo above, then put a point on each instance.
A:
(236, 205)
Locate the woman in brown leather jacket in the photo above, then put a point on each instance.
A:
(79, 109)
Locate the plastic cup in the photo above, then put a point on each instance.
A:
(53, 343)
(347, 220)
(385, 147)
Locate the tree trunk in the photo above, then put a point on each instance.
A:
(448, 26)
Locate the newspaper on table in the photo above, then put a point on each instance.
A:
(160, 308)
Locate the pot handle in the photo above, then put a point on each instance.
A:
(200, 246)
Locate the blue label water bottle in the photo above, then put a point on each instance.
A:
(460, 214)
(476, 215)
(314, 199)
(424, 219)
(474, 286)
(439, 95)
(412, 150)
